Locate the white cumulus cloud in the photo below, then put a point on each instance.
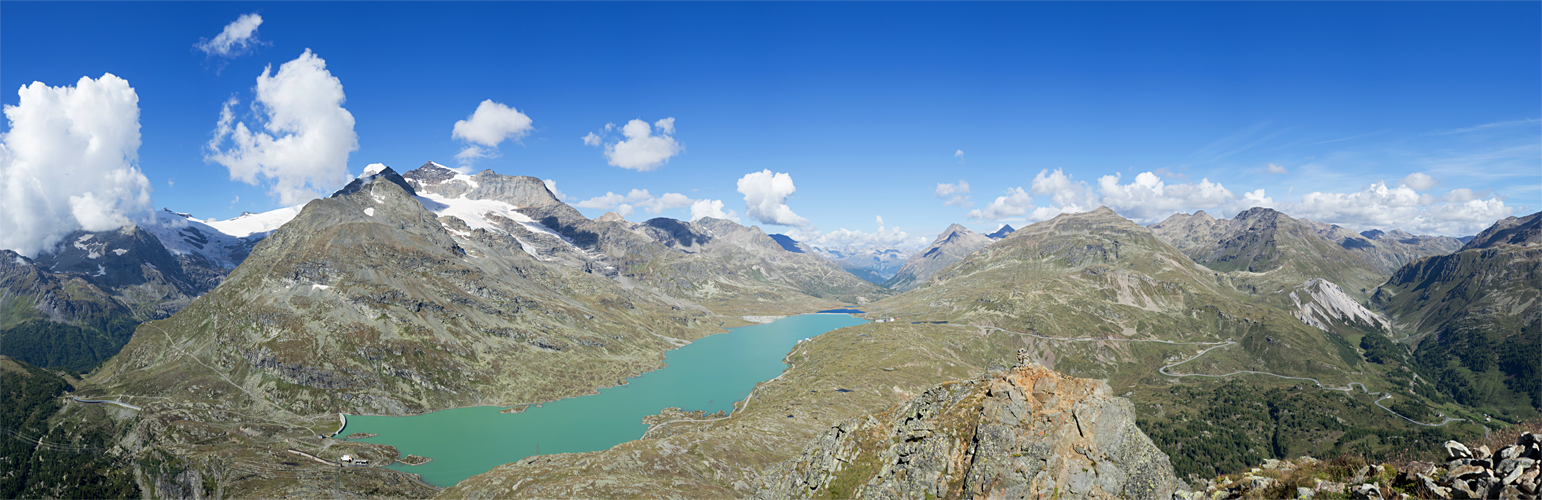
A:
(237, 37)
(765, 198)
(1276, 169)
(1016, 202)
(849, 240)
(1460, 212)
(302, 137)
(713, 209)
(1148, 199)
(641, 198)
(641, 149)
(1067, 195)
(954, 194)
(491, 124)
(69, 162)
(551, 185)
(1419, 181)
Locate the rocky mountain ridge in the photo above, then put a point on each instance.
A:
(1476, 315)
(714, 262)
(1274, 246)
(1026, 432)
(953, 244)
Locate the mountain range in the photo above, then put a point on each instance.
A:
(432, 289)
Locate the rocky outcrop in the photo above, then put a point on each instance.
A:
(1321, 303)
(1023, 432)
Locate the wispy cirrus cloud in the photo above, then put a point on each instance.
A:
(1489, 126)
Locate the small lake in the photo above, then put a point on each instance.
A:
(710, 374)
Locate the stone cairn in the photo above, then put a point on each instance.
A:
(1509, 473)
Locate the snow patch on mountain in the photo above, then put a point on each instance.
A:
(475, 214)
(249, 224)
(224, 243)
(91, 251)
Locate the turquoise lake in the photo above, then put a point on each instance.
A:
(710, 374)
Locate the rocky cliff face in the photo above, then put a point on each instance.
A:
(1026, 432)
(1480, 307)
(953, 245)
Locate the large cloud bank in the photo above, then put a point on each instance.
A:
(491, 124)
(642, 149)
(1147, 198)
(856, 240)
(627, 204)
(303, 135)
(765, 198)
(68, 163)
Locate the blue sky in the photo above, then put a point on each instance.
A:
(866, 107)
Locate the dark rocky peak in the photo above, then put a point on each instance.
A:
(719, 227)
(1374, 234)
(953, 233)
(1260, 214)
(674, 233)
(385, 173)
(1509, 231)
(1005, 230)
(429, 174)
(115, 258)
(520, 190)
(788, 243)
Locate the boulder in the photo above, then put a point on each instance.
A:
(1455, 449)
(1429, 488)
(1366, 492)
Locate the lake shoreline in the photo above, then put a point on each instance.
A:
(714, 374)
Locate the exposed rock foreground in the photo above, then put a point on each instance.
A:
(1511, 472)
(1026, 432)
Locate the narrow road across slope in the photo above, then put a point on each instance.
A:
(1217, 345)
(108, 401)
